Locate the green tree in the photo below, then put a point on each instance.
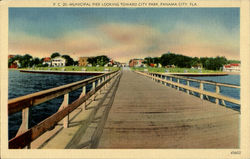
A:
(26, 61)
(10, 61)
(148, 60)
(213, 63)
(91, 60)
(156, 60)
(102, 60)
(69, 60)
(55, 54)
(219, 62)
(75, 63)
(36, 61)
(98, 60)
(175, 59)
(232, 61)
(195, 61)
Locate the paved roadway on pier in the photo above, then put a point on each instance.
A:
(146, 114)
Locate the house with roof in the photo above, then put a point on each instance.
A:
(15, 64)
(233, 67)
(83, 61)
(136, 63)
(58, 62)
(11, 56)
(197, 66)
(47, 60)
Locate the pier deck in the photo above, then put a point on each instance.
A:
(137, 112)
(146, 114)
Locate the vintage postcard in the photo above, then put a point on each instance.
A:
(125, 79)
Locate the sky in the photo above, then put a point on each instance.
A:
(125, 33)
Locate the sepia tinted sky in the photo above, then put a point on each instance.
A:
(125, 33)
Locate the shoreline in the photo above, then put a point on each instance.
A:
(195, 74)
(199, 74)
(233, 73)
(64, 72)
(101, 72)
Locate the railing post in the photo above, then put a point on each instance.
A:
(108, 77)
(83, 91)
(201, 88)
(218, 92)
(83, 94)
(188, 86)
(104, 79)
(223, 103)
(98, 83)
(93, 88)
(25, 123)
(170, 79)
(66, 119)
(166, 78)
(102, 82)
(178, 81)
(64, 104)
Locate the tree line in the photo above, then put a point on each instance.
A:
(29, 61)
(98, 60)
(209, 63)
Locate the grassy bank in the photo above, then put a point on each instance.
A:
(175, 70)
(73, 68)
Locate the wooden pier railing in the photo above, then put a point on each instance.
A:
(26, 134)
(168, 80)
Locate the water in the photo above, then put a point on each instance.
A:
(25, 83)
(230, 79)
(226, 91)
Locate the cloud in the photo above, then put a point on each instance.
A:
(75, 43)
(123, 41)
(132, 39)
(211, 40)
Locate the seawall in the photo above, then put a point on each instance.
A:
(65, 72)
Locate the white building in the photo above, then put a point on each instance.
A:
(234, 67)
(58, 62)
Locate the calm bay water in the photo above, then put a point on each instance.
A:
(226, 91)
(230, 79)
(25, 83)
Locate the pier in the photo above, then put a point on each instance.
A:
(146, 114)
(127, 109)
